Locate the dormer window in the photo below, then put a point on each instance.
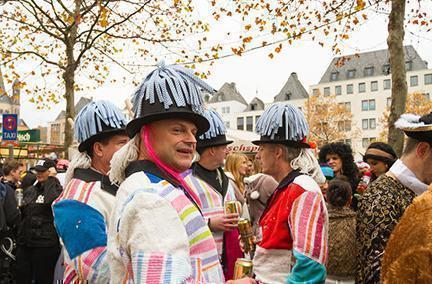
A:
(408, 65)
(351, 73)
(386, 69)
(253, 107)
(288, 96)
(219, 98)
(334, 76)
(368, 71)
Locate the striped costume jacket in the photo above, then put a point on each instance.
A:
(81, 217)
(294, 225)
(212, 202)
(159, 235)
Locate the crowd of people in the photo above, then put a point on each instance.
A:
(147, 201)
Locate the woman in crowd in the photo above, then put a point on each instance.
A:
(380, 157)
(341, 266)
(259, 188)
(340, 158)
(236, 170)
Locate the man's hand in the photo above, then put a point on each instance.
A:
(245, 280)
(224, 223)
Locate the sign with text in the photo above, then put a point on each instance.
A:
(10, 127)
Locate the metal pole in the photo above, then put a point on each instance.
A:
(11, 151)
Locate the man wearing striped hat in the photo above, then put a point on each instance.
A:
(208, 180)
(295, 222)
(81, 213)
(160, 234)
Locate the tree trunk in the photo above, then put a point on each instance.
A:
(398, 73)
(69, 78)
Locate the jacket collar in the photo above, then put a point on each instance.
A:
(151, 168)
(90, 175)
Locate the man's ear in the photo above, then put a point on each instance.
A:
(97, 149)
(422, 149)
(278, 151)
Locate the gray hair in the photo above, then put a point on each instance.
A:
(122, 158)
(304, 160)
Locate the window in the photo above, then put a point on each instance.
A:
(414, 81)
(426, 97)
(227, 124)
(386, 69)
(225, 109)
(351, 73)
(249, 123)
(349, 89)
(368, 105)
(367, 141)
(344, 125)
(338, 90)
(257, 117)
(428, 79)
(253, 106)
(288, 96)
(365, 124)
(387, 84)
(240, 123)
(408, 65)
(347, 141)
(327, 91)
(374, 86)
(368, 123)
(346, 106)
(315, 92)
(369, 71)
(372, 123)
(372, 105)
(362, 87)
(389, 101)
(334, 76)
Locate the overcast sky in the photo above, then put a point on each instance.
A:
(254, 73)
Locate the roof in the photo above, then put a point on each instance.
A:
(255, 104)
(377, 60)
(292, 90)
(78, 106)
(228, 92)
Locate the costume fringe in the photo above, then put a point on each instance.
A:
(122, 158)
(80, 161)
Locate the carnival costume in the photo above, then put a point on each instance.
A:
(384, 203)
(213, 189)
(160, 234)
(82, 211)
(295, 221)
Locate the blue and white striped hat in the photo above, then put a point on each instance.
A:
(215, 136)
(97, 120)
(169, 92)
(283, 124)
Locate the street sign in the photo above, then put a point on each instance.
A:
(10, 127)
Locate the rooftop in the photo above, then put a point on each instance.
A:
(292, 90)
(368, 64)
(228, 92)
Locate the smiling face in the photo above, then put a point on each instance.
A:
(174, 142)
(335, 162)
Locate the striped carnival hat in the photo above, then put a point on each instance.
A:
(96, 121)
(215, 136)
(283, 124)
(169, 92)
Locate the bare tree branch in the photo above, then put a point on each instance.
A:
(38, 55)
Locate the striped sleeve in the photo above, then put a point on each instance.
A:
(151, 232)
(308, 223)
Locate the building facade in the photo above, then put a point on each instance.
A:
(363, 84)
